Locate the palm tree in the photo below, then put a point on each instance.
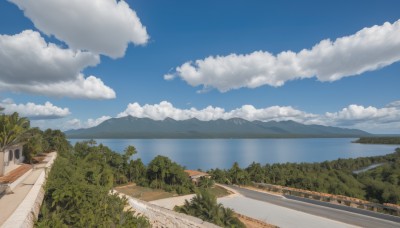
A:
(204, 206)
(206, 182)
(229, 219)
(13, 130)
(238, 176)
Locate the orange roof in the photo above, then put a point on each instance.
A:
(192, 173)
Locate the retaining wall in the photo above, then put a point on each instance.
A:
(28, 211)
(161, 217)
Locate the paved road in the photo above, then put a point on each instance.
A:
(280, 216)
(310, 207)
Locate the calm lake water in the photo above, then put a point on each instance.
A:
(222, 153)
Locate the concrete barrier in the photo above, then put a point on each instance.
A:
(27, 212)
(17, 182)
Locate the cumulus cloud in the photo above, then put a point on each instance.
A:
(68, 124)
(35, 111)
(371, 119)
(166, 110)
(95, 122)
(77, 123)
(103, 27)
(394, 104)
(169, 77)
(367, 50)
(354, 114)
(73, 124)
(29, 64)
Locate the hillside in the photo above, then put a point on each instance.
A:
(132, 127)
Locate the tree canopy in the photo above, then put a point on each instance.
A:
(13, 130)
(381, 184)
(204, 206)
(168, 175)
(79, 184)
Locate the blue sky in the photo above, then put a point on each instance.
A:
(68, 64)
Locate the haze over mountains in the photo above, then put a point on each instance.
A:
(133, 127)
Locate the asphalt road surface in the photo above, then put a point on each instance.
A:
(353, 216)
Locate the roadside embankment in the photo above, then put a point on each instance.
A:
(331, 198)
(161, 217)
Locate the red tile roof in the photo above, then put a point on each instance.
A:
(192, 173)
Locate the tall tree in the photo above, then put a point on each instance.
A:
(163, 173)
(13, 130)
(34, 145)
(238, 176)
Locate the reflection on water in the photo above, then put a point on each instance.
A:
(222, 153)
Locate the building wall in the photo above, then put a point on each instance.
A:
(1, 163)
(11, 162)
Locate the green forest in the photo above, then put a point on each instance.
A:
(380, 185)
(379, 140)
(78, 185)
(78, 188)
(82, 177)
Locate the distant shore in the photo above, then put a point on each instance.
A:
(88, 137)
(379, 140)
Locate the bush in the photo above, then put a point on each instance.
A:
(204, 206)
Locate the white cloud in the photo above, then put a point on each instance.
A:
(169, 77)
(72, 124)
(35, 111)
(102, 27)
(248, 112)
(367, 50)
(394, 104)
(77, 123)
(95, 122)
(29, 64)
(354, 114)
(68, 124)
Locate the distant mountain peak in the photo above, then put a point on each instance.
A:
(134, 127)
(169, 119)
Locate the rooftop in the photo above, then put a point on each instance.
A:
(193, 173)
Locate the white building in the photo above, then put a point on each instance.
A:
(10, 159)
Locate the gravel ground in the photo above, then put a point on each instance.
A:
(170, 203)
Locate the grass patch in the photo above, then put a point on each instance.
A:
(150, 194)
(144, 193)
(218, 191)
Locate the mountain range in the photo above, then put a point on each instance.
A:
(133, 127)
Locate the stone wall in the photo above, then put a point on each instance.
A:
(161, 217)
